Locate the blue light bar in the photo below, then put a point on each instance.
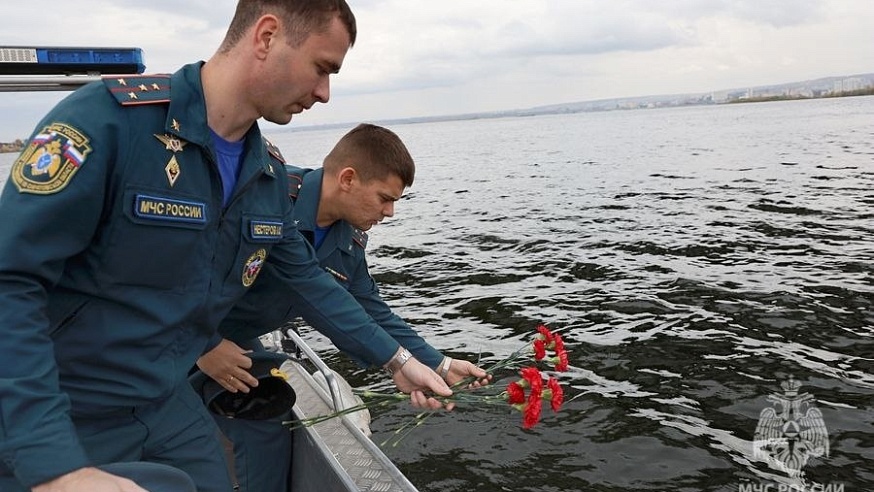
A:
(23, 60)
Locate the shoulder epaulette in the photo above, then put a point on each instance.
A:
(360, 237)
(295, 180)
(273, 150)
(131, 90)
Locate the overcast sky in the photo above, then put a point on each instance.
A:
(429, 57)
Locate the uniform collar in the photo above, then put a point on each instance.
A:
(306, 208)
(186, 119)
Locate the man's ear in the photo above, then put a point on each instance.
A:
(346, 178)
(265, 34)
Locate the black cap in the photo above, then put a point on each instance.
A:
(273, 397)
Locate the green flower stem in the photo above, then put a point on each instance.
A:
(376, 400)
(461, 394)
(401, 432)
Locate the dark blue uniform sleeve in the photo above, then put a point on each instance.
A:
(363, 287)
(293, 281)
(262, 310)
(40, 230)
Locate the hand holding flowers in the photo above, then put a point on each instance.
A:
(528, 394)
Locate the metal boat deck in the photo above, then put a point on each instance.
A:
(333, 455)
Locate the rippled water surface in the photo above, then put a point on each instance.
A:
(695, 258)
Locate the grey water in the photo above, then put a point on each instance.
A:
(695, 259)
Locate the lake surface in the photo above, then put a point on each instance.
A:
(694, 258)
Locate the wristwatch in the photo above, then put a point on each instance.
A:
(398, 361)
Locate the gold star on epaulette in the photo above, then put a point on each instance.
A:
(122, 82)
(132, 95)
(143, 88)
(156, 87)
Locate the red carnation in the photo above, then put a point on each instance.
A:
(539, 349)
(544, 333)
(533, 379)
(532, 414)
(534, 406)
(557, 343)
(560, 360)
(515, 393)
(554, 393)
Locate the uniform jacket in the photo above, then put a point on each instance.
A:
(118, 261)
(342, 254)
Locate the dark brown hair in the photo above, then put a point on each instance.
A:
(300, 18)
(374, 152)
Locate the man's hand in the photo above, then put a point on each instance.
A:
(459, 370)
(415, 378)
(228, 364)
(89, 480)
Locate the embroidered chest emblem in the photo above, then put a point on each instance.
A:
(252, 267)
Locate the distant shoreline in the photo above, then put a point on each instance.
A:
(18, 145)
(569, 109)
(868, 91)
(9, 147)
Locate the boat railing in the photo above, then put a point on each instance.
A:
(329, 375)
(333, 455)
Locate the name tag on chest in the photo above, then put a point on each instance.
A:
(169, 209)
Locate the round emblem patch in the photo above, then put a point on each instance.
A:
(51, 159)
(253, 267)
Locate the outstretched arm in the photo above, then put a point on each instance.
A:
(366, 291)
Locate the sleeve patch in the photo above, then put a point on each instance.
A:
(51, 159)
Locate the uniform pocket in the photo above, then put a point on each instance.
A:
(159, 242)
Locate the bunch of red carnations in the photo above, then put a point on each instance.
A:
(528, 394)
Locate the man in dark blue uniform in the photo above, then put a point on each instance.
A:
(362, 177)
(141, 211)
